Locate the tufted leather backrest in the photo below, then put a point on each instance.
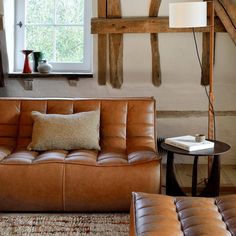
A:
(127, 125)
(9, 121)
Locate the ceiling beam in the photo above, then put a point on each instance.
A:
(143, 25)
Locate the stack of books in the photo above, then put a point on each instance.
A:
(188, 143)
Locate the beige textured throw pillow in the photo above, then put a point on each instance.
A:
(75, 131)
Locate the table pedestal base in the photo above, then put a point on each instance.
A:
(212, 188)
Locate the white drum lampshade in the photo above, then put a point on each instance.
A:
(187, 14)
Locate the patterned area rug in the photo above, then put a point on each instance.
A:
(67, 224)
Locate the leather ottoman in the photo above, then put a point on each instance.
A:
(154, 214)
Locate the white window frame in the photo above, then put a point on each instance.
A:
(85, 67)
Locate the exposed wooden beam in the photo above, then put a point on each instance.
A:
(102, 8)
(156, 63)
(205, 73)
(230, 8)
(156, 66)
(1, 23)
(226, 20)
(186, 114)
(143, 25)
(102, 45)
(113, 9)
(102, 59)
(116, 59)
(205, 58)
(154, 7)
(115, 46)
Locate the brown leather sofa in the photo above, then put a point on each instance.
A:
(78, 180)
(159, 215)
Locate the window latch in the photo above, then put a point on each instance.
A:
(20, 24)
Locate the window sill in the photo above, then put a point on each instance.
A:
(28, 78)
(50, 75)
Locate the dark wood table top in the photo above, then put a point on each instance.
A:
(219, 148)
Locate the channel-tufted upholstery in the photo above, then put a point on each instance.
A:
(78, 180)
(159, 215)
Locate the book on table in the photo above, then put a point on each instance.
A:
(188, 143)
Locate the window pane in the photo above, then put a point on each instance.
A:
(69, 44)
(39, 11)
(56, 28)
(70, 11)
(39, 38)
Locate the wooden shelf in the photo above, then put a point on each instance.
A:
(50, 75)
(28, 78)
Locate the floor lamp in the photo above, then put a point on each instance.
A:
(191, 15)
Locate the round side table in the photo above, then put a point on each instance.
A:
(212, 188)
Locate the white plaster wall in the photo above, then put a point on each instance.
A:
(180, 89)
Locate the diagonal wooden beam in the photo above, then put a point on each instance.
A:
(156, 67)
(226, 20)
(230, 8)
(115, 47)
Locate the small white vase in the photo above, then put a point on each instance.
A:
(44, 67)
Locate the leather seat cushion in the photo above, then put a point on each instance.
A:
(79, 180)
(83, 157)
(154, 214)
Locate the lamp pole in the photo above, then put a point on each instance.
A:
(211, 130)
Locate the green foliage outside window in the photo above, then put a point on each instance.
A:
(55, 27)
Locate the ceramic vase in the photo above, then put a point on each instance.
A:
(44, 67)
(37, 56)
(27, 69)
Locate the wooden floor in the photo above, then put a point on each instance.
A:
(184, 177)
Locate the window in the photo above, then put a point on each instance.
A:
(58, 28)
